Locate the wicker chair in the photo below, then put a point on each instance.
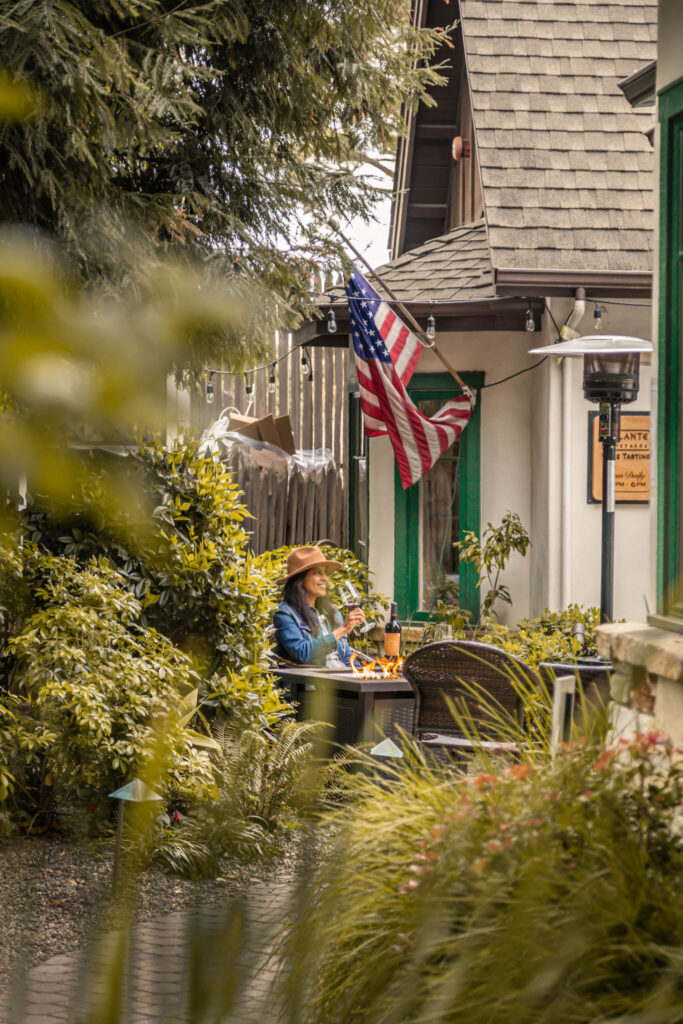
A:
(437, 672)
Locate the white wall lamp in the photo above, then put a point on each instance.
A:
(611, 368)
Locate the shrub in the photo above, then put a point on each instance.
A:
(548, 637)
(260, 781)
(91, 686)
(515, 896)
(185, 559)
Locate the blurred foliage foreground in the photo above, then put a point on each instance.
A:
(544, 890)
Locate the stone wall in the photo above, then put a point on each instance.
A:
(647, 682)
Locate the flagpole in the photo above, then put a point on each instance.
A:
(403, 309)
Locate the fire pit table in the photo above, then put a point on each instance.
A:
(361, 710)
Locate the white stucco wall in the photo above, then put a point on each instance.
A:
(632, 578)
(521, 470)
(505, 445)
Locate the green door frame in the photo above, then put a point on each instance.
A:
(669, 554)
(407, 502)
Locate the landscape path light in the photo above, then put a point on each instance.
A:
(136, 792)
(611, 367)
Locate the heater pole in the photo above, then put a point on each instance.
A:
(609, 436)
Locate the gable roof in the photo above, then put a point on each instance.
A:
(566, 172)
(453, 267)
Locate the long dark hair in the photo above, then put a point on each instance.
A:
(293, 593)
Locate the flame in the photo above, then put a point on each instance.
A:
(378, 668)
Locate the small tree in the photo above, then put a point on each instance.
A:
(490, 557)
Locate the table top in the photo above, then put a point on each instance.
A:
(343, 680)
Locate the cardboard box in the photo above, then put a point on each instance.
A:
(276, 432)
(284, 429)
(246, 425)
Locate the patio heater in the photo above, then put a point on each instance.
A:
(611, 366)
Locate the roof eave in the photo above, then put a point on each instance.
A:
(483, 314)
(598, 283)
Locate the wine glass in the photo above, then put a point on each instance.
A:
(352, 599)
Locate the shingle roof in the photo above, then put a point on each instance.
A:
(454, 266)
(567, 174)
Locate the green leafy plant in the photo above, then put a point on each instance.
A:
(262, 780)
(92, 685)
(549, 636)
(186, 561)
(491, 554)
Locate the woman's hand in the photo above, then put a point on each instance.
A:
(354, 619)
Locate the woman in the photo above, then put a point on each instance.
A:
(308, 628)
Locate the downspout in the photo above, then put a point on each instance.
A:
(567, 333)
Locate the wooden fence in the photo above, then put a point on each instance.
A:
(316, 408)
(298, 507)
(290, 506)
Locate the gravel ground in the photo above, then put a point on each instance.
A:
(54, 893)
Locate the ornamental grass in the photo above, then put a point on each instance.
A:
(541, 890)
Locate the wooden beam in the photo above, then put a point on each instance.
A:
(427, 211)
(435, 132)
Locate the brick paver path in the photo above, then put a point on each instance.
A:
(227, 943)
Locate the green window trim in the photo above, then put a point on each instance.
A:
(669, 495)
(407, 502)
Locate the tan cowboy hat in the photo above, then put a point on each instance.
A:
(301, 559)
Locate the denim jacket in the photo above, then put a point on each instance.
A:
(295, 640)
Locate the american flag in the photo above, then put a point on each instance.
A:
(387, 353)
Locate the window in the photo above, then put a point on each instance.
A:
(670, 418)
(437, 510)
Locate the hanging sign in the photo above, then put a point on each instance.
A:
(632, 484)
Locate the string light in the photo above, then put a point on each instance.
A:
(529, 323)
(431, 324)
(210, 395)
(272, 387)
(305, 367)
(597, 319)
(248, 385)
(331, 319)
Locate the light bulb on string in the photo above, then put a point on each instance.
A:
(310, 376)
(272, 387)
(248, 386)
(431, 324)
(529, 322)
(210, 391)
(305, 366)
(331, 320)
(597, 319)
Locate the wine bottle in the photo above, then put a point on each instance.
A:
(392, 634)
